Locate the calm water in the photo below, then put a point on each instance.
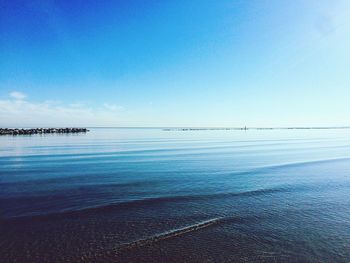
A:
(148, 195)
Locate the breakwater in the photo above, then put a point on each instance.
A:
(9, 131)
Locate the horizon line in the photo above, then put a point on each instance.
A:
(188, 127)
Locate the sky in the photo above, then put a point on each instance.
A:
(198, 63)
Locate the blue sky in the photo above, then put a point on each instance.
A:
(174, 63)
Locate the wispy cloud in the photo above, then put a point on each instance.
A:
(18, 111)
(17, 95)
(112, 107)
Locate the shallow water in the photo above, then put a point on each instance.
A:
(149, 195)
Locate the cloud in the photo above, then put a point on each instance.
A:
(18, 95)
(17, 111)
(112, 107)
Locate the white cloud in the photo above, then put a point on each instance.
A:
(17, 111)
(17, 95)
(112, 107)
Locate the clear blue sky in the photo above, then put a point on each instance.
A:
(174, 63)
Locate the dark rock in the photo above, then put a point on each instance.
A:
(9, 131)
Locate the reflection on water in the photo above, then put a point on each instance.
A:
(148, 195)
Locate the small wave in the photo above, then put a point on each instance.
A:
(146, 202)
(295, 164)
(267, 168)
(111, 152)
(169, 234)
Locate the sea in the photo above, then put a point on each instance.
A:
(176, 195)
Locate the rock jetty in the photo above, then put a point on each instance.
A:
(9, 131)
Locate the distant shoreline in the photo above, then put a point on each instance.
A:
(32, 131)
(255, 128)
(68, 130)
(218, 128)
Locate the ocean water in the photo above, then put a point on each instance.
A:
(149, 195)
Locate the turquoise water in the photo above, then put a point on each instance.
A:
(149, 195)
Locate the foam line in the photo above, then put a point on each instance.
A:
(168, 234)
